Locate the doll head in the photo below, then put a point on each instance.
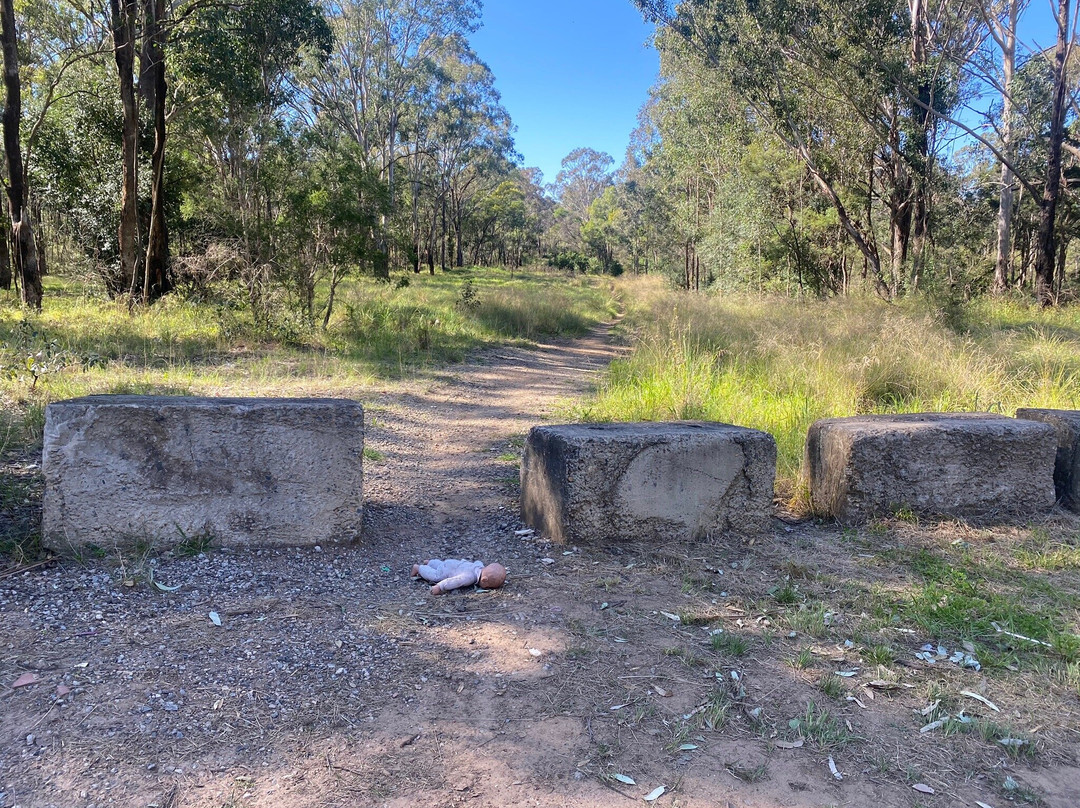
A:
(492, 576)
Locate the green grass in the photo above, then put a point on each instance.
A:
(961, 596)
(831, 685)
(809, 619)
(82, 344)
(821, 728)
(779, 364)
(730, 644)
(879, 655)
(803, 660)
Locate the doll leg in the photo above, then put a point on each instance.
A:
(431, 571)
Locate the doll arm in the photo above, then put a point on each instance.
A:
(467, 578)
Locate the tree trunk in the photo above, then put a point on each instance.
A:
(26, 264)
(5, 260)
(921, 112)
(1045, 253)
(1005, 206)
(123, 33)
(155, 277)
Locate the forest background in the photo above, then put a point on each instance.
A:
(285, 145)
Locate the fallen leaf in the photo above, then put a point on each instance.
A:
(881, 684)
(922, 788)
(671, 616)
(162, 586)
(854, 699)
(617, 707)
(26, 679)
(934, 725)
(622, 778)
(787, 744)
(660, 691)
(846, 674)
(835, 771)
(214, 618)
(655, 794)
(977, 697)
(688, 747)
(62, 690)
(983, 804)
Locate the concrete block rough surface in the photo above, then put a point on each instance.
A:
(245, 471)
(607, 483)
(1066, 424)
(970, 465)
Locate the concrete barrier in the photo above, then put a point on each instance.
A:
(592, 483)
(245, 471)
(969, 465)
(1066, 424)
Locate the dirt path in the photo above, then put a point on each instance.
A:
(334, 680)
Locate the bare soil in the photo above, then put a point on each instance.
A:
(336, 680)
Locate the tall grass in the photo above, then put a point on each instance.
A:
(82, 344)
(779, 364)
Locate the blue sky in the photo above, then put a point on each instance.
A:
(570, 73)
(576, 73)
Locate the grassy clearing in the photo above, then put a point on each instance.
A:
(780, 364)
(81, 344)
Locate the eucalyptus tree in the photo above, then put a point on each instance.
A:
(235, 67)
(22, 234)
(853, 89)
(384, 55)
(54, 40)
(584, 176)
(471, 145)
(1045, 251)
(1000, 18)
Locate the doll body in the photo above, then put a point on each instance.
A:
(455, 573)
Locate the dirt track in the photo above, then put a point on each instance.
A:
(336, 680)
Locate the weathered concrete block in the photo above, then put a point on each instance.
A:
(247, 471)
(658, 481)
(1066, 424)
(972, 465)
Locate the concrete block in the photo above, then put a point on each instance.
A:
(589, 483)
(1066, 424)
(246, 471)
(970, 465)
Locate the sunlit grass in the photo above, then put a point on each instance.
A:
(81, 344)
(779, 364)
